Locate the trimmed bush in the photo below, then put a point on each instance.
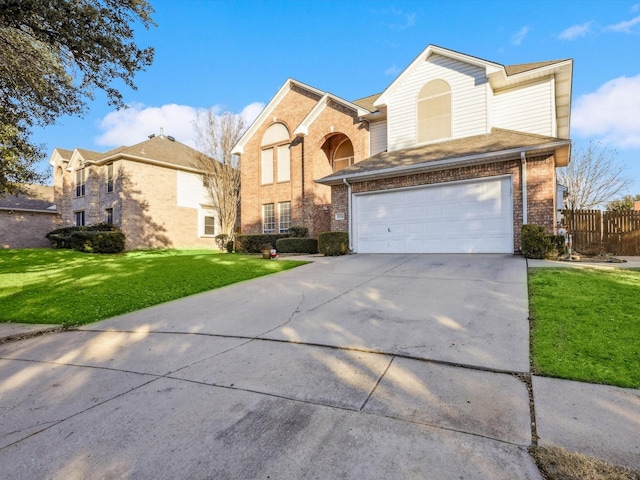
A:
(252, 243)
(536, 243)
(98, 238)
(298, 231)
(333, 243)
(297, 245)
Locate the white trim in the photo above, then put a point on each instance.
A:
(303, 129)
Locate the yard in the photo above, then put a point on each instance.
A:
(586, 324)
(70, 288)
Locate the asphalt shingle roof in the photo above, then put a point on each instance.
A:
(39, 197)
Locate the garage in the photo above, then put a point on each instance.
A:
(458, 217)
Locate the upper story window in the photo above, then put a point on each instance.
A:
(110, 177)
(343, 156)
(80, 181)
(434, 111)
(275, 151)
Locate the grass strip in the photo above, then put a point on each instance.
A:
(71, 288)
(586, 324)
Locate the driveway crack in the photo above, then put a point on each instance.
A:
(377, 383)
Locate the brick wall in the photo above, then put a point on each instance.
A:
(21, 229)
(540, 192)
(310, 202)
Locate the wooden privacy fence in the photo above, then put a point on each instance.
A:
(614, 232)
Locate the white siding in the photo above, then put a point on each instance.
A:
(191, 193)
(468, 98)
(526, 109)
(378, 137)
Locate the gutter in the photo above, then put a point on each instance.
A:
(349, 229)
(523, 160)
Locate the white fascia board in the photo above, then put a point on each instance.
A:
(490, 157)
(489, 67)
(238, 149)
(303, 129)
(76, 157)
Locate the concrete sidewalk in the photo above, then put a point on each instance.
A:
(368, 366)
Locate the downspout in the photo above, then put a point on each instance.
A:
(523, 159)
(344, 180)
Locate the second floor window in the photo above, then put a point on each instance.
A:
(275, 150)
(434, 111)
(80, 182)
(110, 177)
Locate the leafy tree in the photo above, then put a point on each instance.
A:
(593, 177)
(216, 135)
(53, 56)
(625, 203)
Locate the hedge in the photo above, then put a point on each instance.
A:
(98, 238)
(297, 245)
(252, 243)
(333, 243)
(536, 243)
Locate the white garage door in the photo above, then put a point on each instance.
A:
(464, 217)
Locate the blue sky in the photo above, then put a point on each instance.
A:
(234, 56)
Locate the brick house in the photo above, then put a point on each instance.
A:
(26, 218)
(151, 190)
(454, 156)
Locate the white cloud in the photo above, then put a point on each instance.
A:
(134, 124)
(611, 113)
(397, 19)
(518, 37)
(626, 26)
(575, 31)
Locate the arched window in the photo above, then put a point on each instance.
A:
(275, 150)
(434, 111)
(343, 156)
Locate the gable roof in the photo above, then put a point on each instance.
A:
(39, 198)
(324, 99)
(494, 146)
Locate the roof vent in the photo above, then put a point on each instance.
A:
(152, 135)
(171, 138)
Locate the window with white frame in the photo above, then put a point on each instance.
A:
(284, 217)
(80, 182)
(268, 218)
(108, 216)
(267, 166)
(208, 222)
(434, 111)
(275, 151)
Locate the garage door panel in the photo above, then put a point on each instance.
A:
(446, 218)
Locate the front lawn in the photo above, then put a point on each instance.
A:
(70, 288)
(586, 324)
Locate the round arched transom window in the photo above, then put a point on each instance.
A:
(343, 156)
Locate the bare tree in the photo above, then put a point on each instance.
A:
(216, 135)
(593, 177)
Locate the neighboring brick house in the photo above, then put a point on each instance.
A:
(26, 218)
(454, 156)
(151, 190)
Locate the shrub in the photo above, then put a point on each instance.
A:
(252, 243)
(98, 238)
(229, 246)
(298, 231)
(333, 243)
(536, 243)
(297, 245)
(221, 241)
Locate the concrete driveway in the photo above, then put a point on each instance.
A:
(366, 366)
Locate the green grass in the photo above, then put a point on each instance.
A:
(586, 324)
(70, 288)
